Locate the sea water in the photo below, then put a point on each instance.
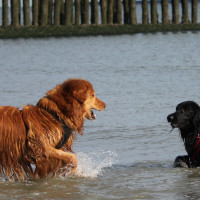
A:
(128, 151)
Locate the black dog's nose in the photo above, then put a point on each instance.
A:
(170, 118)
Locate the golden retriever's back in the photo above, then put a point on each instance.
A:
(12, 140)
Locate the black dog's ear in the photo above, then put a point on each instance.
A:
(196, 120)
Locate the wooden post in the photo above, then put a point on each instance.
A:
(126, 11)
(185, 18)
(194, 11)
(72, 12)
(77, 11)
(68, 12)
(165, 15)
(94, 12)
(5, 12)
(145, 13)
(35, 11)
(85, 12)
(44, 13)
(26, 11)
(175, 11)
(119, 11)
(154, 14)
(110, 12)
(57, 12)
(103, 11)
(132, 11)
(15, 12)
(50, 12)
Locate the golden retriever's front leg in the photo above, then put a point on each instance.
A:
(56, 159)
(67, 159)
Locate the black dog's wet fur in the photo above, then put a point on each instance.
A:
(187, 120)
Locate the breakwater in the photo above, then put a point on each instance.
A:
(43, 13)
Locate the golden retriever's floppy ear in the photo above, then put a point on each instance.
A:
(78, 89)
(196, 120)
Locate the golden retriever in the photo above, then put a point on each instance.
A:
(43, 134)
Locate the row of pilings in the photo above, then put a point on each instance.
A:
(68, 12)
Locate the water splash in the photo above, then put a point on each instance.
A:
(91, 165)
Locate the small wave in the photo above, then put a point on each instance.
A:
(153, 164)
(90, 165)
(146, 164)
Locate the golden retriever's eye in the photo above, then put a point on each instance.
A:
(93, 95)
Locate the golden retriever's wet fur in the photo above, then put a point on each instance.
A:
(43, 134)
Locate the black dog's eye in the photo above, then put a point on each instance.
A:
(183, 111)
(187, 113)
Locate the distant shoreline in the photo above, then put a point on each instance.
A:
(90, 30)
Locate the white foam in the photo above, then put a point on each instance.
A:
(90, 165)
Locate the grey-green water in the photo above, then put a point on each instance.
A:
(128, 152)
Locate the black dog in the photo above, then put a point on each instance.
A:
(187, 120)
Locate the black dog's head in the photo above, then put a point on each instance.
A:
(187, 116)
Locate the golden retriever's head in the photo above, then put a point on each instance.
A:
(72, 101)
(83, 92)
